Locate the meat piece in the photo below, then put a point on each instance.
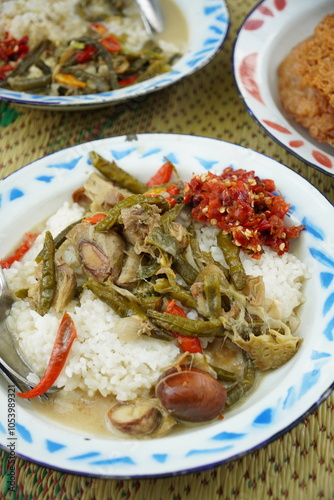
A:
(138, 223)
(102, 193)
(65, 286)
(130, 268)
(100, 254)
(272, 349)
(180, 233)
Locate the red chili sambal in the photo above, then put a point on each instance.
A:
(244, 206)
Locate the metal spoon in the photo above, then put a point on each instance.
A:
(152, 16)
(9, 355)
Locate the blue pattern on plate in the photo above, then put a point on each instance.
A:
(24, 432)
(160, 457)
(44, 178)
(216, 30)
(2, 429)
(208, 164)
(308, 381)
(314, 230)
(211, 9)
(321, 257)
(265, 417)
(118, 155)
(53, 447)
(68, 165)
(329, 330)
(290, 398)
(114, 461)
(15, 194)
(328, 303)
(319, 355)
(85, 456)
(228, 435)
(208, 450)
(172, 158)
(151, 152)
(326, 279)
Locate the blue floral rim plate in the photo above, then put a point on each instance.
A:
(282, 24)
(208, 23)
(283, 397)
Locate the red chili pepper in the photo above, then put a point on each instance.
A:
(171, 201)
(173, 190)
(111, 44)
(64, 340)
(94, 219)
(162, 176)
(12, 49)
(6, 68)
(85, 54)
(99, 28)
(187, 344)
(29, 239)
(128, 81)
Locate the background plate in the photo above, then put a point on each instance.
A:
(208, 22)
(267, 35)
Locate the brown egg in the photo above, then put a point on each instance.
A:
(190, 394)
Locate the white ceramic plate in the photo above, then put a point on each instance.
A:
(208, 22)
(284, 396)
(267, 35)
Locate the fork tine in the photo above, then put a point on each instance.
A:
(19, 385)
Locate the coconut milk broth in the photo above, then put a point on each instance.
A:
(88, 414)
(176, 28)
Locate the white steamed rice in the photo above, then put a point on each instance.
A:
(99, 359)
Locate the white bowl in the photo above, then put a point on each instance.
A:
(207, 23)
(283, 397)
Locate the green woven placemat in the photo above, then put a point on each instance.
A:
(298, 465)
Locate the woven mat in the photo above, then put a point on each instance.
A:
(300, 464)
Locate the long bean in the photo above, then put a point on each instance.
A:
(241, 388)
(48, 280)
(163, 241)
(184, 269)
(121, 305)
(30, 59)
(231, 255)
(186, 326)
(116, 174)
(213, 295)
(175, 291)
(105, 55)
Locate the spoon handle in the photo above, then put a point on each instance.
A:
(152, 15)
(10, 358)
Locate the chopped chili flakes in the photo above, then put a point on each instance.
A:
(244, 206)
(11, 50)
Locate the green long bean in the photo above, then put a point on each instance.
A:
(175, 291)
(48, 280)
(231, 255)
(186, 326)
(121, 305)
(116, 174)
(184, 269)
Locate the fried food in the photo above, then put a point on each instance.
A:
(306, 82)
